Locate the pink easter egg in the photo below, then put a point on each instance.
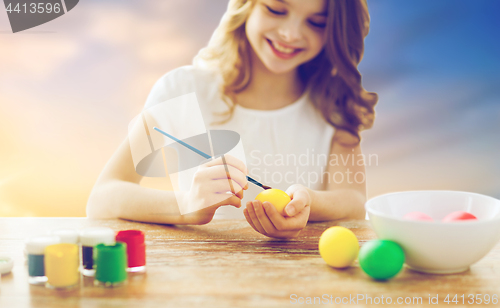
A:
(418, 216)
(459, 216)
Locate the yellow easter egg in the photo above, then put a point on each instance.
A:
(278, 198)
(338, 246)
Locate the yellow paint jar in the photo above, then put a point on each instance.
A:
(61, 266)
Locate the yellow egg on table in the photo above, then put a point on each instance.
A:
(338, 246)
(278, 198)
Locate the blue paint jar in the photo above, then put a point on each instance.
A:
(35, 250)
(89, 238)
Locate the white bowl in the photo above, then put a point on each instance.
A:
(437, 247)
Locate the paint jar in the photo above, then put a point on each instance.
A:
(35, 250)
(136, 249)
(111, 264)
(6, 264)
(61, 266)
(69, 236)
(89, 238)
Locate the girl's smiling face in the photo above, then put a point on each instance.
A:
(286, 33)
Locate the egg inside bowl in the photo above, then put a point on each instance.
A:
(434, 246)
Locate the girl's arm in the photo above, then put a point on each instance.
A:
(117, 194)
(345, 193)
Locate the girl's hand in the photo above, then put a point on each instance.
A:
(211, 188)
(265, 219)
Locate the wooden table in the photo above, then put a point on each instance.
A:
(227, 264)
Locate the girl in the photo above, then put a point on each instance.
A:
(283, 74)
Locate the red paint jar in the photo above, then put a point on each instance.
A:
(136, 249)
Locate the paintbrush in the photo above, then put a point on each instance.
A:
(207, 156)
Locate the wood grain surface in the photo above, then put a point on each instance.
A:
(227, 264)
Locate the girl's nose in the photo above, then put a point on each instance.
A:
(290, 31)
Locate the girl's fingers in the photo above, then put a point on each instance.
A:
(224, 185)
(230, 160)
(219, 200)
(250, 222)
(219, 172)
(276, 218)
(262, 217)
(265, 219)
(297, 222)
(228, 192)
(298, 203)
(253, 217)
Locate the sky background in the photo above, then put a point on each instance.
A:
(69, 88)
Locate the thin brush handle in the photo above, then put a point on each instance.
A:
(204, 154)
(183, 143)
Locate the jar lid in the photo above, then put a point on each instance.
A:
(136, 249)
(6, 264)
(97, 235)
(69, 236)
(135, 237)
(36, 245)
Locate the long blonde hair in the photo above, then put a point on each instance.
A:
(332, 76)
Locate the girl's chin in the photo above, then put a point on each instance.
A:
(276, 68)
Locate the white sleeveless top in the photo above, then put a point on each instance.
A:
(282, 147)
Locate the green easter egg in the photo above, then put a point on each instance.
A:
(381, 259)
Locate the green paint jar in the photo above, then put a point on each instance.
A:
(110, 264)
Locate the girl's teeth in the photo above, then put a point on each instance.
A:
(282, 48)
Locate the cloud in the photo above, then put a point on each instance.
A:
(67, 97)
(36, 56)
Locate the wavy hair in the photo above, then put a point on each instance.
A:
(332, 76)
